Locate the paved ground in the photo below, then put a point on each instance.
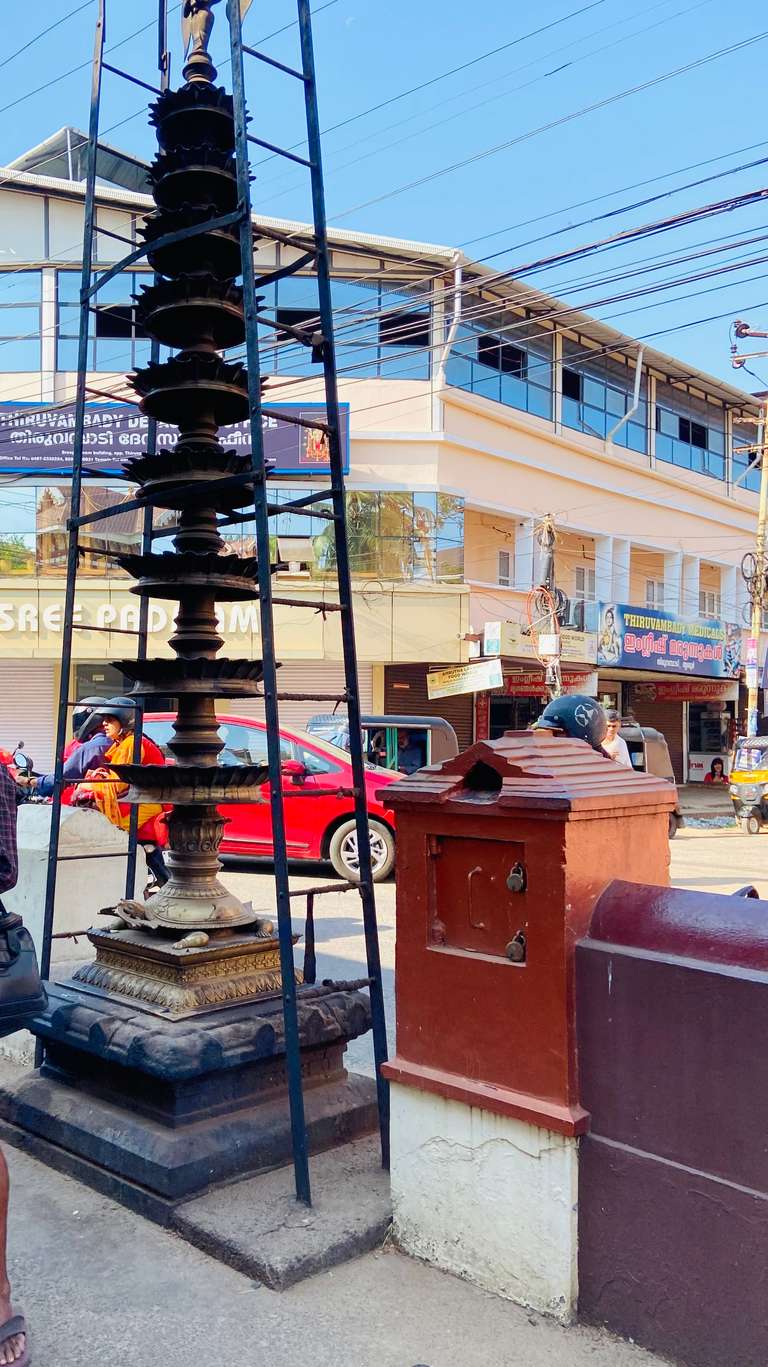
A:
(104, 1288)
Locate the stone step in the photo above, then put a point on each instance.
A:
(258, 1227)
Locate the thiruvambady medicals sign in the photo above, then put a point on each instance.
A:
(644, 638)
(36, 438)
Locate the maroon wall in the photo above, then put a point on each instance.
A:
(672, 1012)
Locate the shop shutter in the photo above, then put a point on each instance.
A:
(307, 677)
(667, 717)
(405, 691)
(28, 703)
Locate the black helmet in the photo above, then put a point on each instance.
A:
(580, 717)
(122, 708)
(82, 724)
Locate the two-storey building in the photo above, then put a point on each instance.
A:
(477, 406)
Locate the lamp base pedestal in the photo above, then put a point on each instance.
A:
(154, 1111)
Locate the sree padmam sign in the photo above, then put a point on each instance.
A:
(36, 439)
(644, 638)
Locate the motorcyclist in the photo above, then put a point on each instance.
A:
(577, 716)
(101, 789)
(85, 751)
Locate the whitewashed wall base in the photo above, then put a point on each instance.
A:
(487, 1197)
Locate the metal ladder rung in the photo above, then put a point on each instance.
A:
(168, 240)
(279, 151)
(314, 426)
(151, 500)
(126, 75)
(272, 61)
(308, 603)
(313, 697)
(283, 271)
(110, 631)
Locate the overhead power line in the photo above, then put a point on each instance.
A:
(553, 123)
(335, 169)
(57, 24)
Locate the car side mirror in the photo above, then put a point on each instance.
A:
(294, 770)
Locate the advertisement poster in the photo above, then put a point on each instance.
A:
(446, 683)
(575, 647)
(41, 439)
(647, 638)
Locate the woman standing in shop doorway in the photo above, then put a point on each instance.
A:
(102, 789)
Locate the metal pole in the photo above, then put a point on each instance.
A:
(285, 927)
(77, 476)
(163, 65)
(759, 586)
(345, 579)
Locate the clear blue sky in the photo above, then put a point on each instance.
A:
(368, 52)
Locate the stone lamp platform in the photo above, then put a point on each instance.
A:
(154, 1111)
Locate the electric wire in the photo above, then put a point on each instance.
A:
(554, 123)
(334, 168)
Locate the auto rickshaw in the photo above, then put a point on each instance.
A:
(649, 753)
(392, 742)
(748, 782)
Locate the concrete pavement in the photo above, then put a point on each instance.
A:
(102, 1287)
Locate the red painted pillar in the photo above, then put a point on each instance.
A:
(502, 852)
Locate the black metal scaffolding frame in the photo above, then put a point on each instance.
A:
(263, 509)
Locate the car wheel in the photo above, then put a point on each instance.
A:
(342, 851)
(673, 826)
(753, 825)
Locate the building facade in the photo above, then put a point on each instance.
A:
(477, 407)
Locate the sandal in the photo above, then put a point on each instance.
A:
(16, 1325)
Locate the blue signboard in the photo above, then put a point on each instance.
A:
(648, 638)
(35, 439)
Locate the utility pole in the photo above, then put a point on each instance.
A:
(754, 567)
(546, 604)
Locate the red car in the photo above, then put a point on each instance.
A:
(316, 827)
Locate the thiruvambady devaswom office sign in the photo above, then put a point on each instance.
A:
(644, 638)
(36, 438)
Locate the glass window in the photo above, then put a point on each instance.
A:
(110, 536)
(116, 342)
(506, 358)
(689, 431)
(598, 391)
(20, 322)
(248, 744)
(746, 473)
(380, 329)
(314, 762)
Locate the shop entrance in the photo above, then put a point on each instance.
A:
(711, 733)
(513, 714)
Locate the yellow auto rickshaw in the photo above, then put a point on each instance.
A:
(749, 782)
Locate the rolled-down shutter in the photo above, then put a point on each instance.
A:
(307, 677)
(27, 709)
(405, 691)
(667, 717)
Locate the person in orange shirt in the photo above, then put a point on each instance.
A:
(102, 788)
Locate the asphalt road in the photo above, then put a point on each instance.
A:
(713, 860)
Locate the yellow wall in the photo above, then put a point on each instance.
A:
(484, 536)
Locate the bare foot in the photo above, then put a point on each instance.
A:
(14, 1347)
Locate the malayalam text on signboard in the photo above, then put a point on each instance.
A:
(646, 638)
(42, 439)
(445, 683)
